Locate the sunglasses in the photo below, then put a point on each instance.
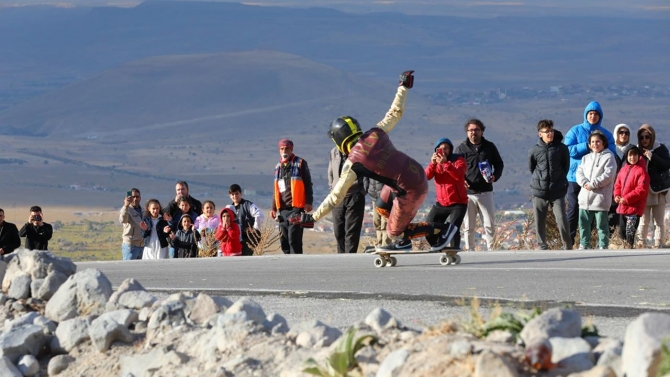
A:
(624, 133)
(645, 137)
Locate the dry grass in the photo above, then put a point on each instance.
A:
(266, 239)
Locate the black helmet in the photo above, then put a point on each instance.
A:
(343, 130)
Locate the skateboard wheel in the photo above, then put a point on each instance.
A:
(457, 259)
(445, 260)
(393, 261)
(380, 262)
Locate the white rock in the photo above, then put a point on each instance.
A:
(490, 364)
(22, 340)
(37, 264)
(460, 348)
(204, 307)
(35, 286)
(571, 354)
(170, 312)
(142, 364)
(51, 283)
(500, 336)
(137, 299)
(28, 365)
(3, 298)
(105, 329)
(254, 311)
(26, 319)
(84, 293)
(392, 361)
(20, 287)
(127, 285)
(7, 368)
(554, 322)
(70, 333)
(315, 334)
(59, 363)
(642, 344)
(276, 324)
(598, 371)
(380, 320)
(3, 270)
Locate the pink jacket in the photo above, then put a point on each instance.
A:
(201, 222)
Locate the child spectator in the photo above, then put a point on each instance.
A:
(228, 233)
(155, 231)
(184, 209)
(185, 240)
(630, 192)
(248, 215)
(37, 232)
(595, 175)
(208, 219)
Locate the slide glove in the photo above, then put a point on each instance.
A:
(304, 219)
(407, 79)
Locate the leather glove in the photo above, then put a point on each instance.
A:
(407, 79)
(304, 219)
(400, 193)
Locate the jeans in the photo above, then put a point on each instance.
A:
(131, 252)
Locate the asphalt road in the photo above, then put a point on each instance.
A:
(612, 283)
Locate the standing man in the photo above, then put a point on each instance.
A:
(577, 140)
(292, 195)
(247, 214)
(549, 161)
(348, 215)
(9, 235)
(37, 232)
(477, 149)
(130, 216)
(181, 188)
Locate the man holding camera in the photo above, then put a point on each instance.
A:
(37, 232)
(9, 236)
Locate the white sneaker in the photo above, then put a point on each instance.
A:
(581, 247)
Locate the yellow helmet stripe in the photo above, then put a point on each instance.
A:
(351, 124)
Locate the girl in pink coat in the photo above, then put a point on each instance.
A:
(630, 192)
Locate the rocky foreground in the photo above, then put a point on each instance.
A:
(58, 321)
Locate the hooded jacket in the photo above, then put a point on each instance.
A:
(577, 140)
(185, 241)
(160, 226)
(658, 166)
(549, 164)
(449, 177)
(229, 237)
(632, 184)
(599, 171)
(473, 156)
(615, 134)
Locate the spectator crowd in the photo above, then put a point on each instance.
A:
(593, 181)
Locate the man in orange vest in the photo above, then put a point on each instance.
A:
(292, 196)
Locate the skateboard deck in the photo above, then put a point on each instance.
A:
(449, 256)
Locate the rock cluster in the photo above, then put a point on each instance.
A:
(61, 322)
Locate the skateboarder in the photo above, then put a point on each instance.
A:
(372, 155)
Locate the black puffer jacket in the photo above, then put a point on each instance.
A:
(473, 156)
(549, 165)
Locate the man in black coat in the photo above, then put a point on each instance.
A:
(37, 232)
(549, 162)
(9, 235)
(476, 149)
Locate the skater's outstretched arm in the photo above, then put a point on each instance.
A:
(347, 178)
(398, 106)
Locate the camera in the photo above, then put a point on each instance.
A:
(37, 218)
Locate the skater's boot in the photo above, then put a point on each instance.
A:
(447, 233)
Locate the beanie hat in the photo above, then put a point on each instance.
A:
(444, 140)
(285, 143)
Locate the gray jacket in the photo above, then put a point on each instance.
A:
(335, 161)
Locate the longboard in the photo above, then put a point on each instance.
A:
(386, 258)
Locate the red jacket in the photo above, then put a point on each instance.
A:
(632, 184)
(229, 237)
(449, 180)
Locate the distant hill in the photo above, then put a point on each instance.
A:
(257, 91)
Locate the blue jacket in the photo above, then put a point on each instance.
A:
(577, 139)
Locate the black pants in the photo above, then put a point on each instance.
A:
(454, 214)
(348, 222)
(627, 229)
(246, 250)
(573, 209)
(291, 234)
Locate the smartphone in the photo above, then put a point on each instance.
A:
(129, 193)
(440, 152)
